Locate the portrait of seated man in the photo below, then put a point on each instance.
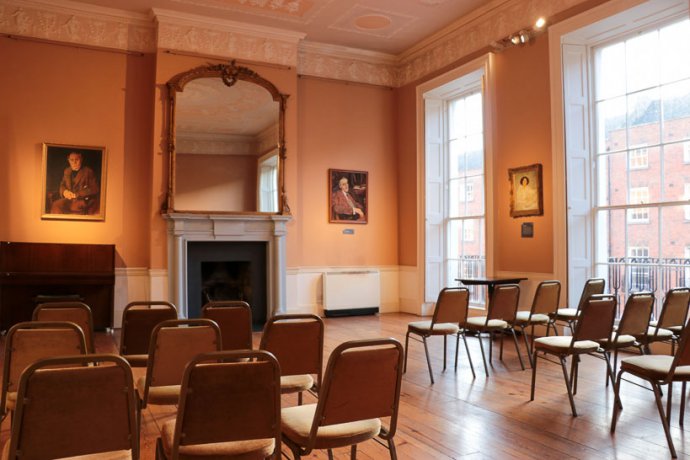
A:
(346, 203)
(73, 181)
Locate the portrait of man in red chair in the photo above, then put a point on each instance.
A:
(74, 179)
(348, 196)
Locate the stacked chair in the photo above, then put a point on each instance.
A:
(671, 322)
(234, 317)
(76, 312)
(138, 321)
(570, 315)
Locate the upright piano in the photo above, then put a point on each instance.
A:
(31, 273)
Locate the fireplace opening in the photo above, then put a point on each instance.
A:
(224, 270)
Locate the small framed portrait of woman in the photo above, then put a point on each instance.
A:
(73, 182)
(526, 197)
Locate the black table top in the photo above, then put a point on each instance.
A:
(489, 281)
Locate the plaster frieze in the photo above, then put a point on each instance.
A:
(235, 40)
(74, 23)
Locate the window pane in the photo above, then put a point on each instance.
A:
(457, 119)
(675, 42)
(676, 172)
(475, 155)
(676, 106)
(644, 234)
(611, 133)
(642, 61)
(457, 159)
(610, 64)
(475, 123)
(644, 117)
(611, 230)
(474, 192)
(649, 177)
(456, 198)
(613, 179)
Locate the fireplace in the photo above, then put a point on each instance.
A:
(226, 256)
(227, 270)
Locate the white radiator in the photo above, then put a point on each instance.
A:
(351, 293)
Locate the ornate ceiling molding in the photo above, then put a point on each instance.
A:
(349, 64)
(236, 40)
(77, 23)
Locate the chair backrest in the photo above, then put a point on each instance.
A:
(546, 297)
(297, 343)
(596, 318)
(504, 302)
(674, 311)
(231, 401)
(362, 381)
(234, 317)
(452, 306)
(29, 342)
(138, 320)
(75, 312)
(638, 311)
(66, 408)
(174, 343)
(593, 286)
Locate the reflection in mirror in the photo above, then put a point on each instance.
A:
(228, 135)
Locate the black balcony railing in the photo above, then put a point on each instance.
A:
(634, 274)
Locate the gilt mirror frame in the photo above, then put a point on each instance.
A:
(229, 74)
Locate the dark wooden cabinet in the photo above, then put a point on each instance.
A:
(31, 273)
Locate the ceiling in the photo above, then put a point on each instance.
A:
(389, 26)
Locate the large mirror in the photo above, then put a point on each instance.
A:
(226, 142)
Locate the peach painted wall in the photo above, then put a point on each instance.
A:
(68, 95)
(407, 175)
(346, 126)
(522, 137)
(218, 182)
(169, 65)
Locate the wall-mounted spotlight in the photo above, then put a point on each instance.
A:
(520, 37)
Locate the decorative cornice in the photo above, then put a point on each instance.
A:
(78, 23)
(236, 40)
(343, 63)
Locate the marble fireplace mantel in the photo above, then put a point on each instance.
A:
(186, 227)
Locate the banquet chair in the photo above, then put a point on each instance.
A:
(173, 344)
(360, 386)
(138, 320)
(569, 315)
(67, 407)
(594, 323)
(229, 408)
(545, 302)
(658, 370)
(672, 319)
(30, 341)
(234, 317)
(632, 326)
(75, 312)
(296, 341)
(500, 317)
(450, 316)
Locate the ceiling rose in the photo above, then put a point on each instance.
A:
(373, 22)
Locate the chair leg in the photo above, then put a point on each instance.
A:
(534, 376)
(664, 421)
(500, 354)
(517, 348)
(160, 453)
(407, 342)
(682, 404)
(428, 361)
(617, 404)
(568, 386)
(457, 349)
(469, 357)
(668, 403)
(299, 398)
(391, 449)
(575, 373)
(330, 454)
(491, 347)
(610, 373)
(527, 345)
(481, 347)
(353, 452)
(445, 349)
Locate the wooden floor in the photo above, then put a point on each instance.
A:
(462, 417)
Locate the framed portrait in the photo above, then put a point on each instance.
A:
(348, 201)
(73, 182)
(526, 196)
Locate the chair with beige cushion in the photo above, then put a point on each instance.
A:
(229, 408)
(545, 302)
(69, 408)
(360, 386)
(500, 317)
(30, 341)
(569, 315)
(450, 315)
(633, 325)
(173, 344)
(234, 317)
(658, 370)
(76, 312)
(296, 340)
(672, 319)
(594, 324)
(138, 320)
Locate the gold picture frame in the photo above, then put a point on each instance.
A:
(526, 194)
(74, 179)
